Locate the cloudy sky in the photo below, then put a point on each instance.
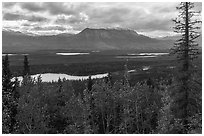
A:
(152, 19)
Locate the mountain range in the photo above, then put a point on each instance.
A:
(87, 39)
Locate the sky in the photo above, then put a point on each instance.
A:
(48, 18)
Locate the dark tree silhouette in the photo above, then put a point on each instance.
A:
(90, 83)
(6, 75)
(60, 85)
(26, 70)
(8, 103)
(186, 50)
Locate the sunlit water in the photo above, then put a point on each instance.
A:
(133, 70)
(53, 77)
(72, 54)
(171, 67)
(13, 54)
(141, 55)
(146, 68)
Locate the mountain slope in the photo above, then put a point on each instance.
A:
(174, 38)
(88, 39)
(114, 39)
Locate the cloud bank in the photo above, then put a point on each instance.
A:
(152, 19)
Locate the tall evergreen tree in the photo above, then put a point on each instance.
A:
(26, 70)
(60, 85)
(6, 75)
(126, 73)
(186, 50)
(89, 84)
(7, 98)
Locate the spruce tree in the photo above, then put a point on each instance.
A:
(6, 75)
(90, 84)
(60, 85)
(186, 50)
(26, 70)
(7, 98)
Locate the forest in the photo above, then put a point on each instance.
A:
(168, 104)
(100, 106)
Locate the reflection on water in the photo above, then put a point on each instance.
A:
(72, 54)
(49, 77)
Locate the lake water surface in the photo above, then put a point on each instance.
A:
(49, 77)
(71, 54)
(13, 54)
(144, 68)
(140, 55)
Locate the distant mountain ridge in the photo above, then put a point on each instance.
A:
(177, 37)
(87, 39)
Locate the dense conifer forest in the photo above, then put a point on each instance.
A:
(96, 106)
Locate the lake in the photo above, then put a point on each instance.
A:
(13, 54)
(144, 68)
(140, 55)
(49, 77)
(71, 54)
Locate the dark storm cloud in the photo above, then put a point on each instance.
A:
(36, 19)
(106, 12)
(56, 8)
(12, 16)
(35, 7)
(8, 4)
(15, 16)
